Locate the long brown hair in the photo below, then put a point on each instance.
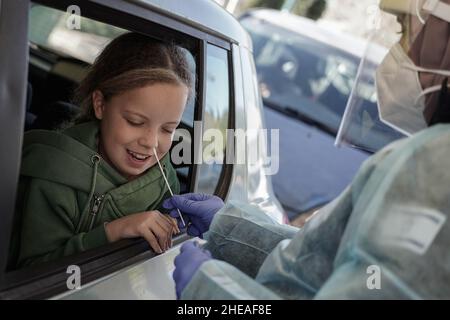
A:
(128, 62)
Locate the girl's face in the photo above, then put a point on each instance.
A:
(136, 121)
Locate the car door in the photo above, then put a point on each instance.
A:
(213, 107)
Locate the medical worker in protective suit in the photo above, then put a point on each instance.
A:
(386, 236)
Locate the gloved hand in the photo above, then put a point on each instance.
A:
(198, 210)
(191, 257)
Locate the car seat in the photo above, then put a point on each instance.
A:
(29, 116)
(55, 115)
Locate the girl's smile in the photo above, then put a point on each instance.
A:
(137, 160)
(136, 121)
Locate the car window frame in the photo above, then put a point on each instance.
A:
(50, 278)
(226, 173)
(13, 70)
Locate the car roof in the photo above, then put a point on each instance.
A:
(205, 15)
(351, 44)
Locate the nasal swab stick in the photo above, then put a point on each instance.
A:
(167, 183)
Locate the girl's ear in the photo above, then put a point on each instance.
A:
(98, 103)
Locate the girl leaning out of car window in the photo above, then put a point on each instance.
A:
(98, 181)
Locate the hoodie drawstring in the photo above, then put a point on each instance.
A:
(95, 160)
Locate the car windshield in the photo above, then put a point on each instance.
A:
(311, 80)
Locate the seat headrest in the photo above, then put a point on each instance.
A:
(56, 114)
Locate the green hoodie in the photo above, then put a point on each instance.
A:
(67, 192)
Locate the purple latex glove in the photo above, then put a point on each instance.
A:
(191, 257)
(198, 210)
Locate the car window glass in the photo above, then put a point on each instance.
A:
(181, 135)
(188, 114)
(215, 117)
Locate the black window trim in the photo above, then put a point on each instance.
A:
(198, 115)
(49, 279)
(226, 175)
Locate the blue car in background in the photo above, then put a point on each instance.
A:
(306, 74)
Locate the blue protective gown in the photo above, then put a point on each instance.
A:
(386, 236)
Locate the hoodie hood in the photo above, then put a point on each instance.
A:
(67, 193)
(76, 147)
(70, 158)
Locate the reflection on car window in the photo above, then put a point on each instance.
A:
(215, 118)
(188, 114)
(309, 78)
(49, 30)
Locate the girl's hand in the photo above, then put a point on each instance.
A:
(198, 209)
(153, 226)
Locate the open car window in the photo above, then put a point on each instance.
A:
(59, 60)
